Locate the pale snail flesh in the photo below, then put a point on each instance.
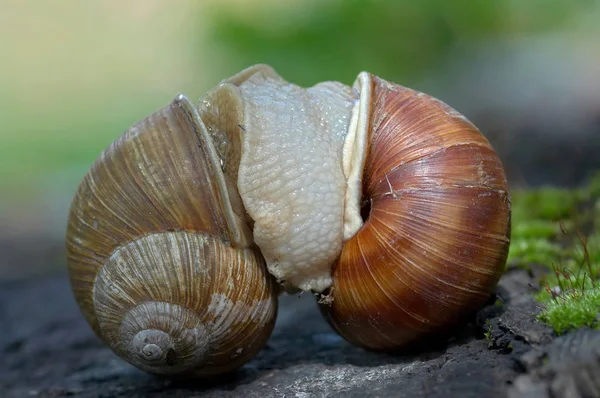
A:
(384, 201)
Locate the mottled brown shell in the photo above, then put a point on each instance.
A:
(157, 258)
(436, 237)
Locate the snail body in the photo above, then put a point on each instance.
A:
(383, 201)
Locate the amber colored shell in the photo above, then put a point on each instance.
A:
(436, 238)
(156, 265)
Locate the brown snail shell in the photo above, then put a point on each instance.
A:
(385, 202)
(158, 260)
(436, 237)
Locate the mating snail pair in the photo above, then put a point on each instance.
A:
(383, 201)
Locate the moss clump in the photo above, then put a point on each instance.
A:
(571, 292)
(573, 310)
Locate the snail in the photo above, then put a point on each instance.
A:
(387, 204)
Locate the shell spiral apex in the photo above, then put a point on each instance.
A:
(382, 199)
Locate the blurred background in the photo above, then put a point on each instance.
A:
(75, 74)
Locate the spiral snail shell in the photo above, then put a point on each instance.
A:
(383, 201)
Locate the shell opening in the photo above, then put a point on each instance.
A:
(354, 157)
(365, 210)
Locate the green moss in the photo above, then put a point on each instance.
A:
(587, 256)
(488, 336)
(535, 229)
(525, 251)
(593, 187)
(571, 291)
(536, 223)
(563, 281)
(549, 204)
(573, 310)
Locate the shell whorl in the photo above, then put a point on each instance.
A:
(160, 261)
(148, 305)
(436, 237)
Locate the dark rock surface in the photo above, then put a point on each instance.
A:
(567, 368)
(47, 350)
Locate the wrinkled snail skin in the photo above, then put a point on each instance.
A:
(159, 262)
(436, 238)
(384, 202)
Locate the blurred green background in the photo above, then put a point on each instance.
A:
(76, 74)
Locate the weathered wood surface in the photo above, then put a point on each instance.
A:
(47, 350)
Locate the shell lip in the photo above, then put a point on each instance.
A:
(354, 155)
